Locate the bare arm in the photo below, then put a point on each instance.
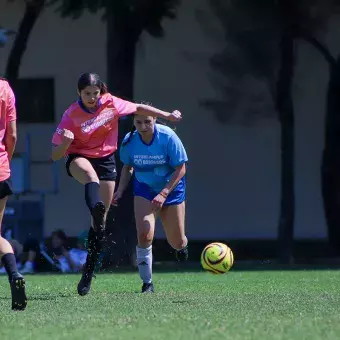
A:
(11, 138)
(175, 178)
(58, 151)
(125, 177)
(147, 110)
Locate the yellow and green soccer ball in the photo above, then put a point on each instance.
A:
(217, 258)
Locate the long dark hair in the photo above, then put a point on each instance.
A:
(133, 129)
(91, 79)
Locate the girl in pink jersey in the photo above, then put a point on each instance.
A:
(8, 137)
(87, 137)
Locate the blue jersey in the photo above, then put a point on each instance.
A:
(154, 163)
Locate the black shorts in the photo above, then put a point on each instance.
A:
(105, 167)
(5, 188)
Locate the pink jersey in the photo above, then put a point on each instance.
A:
(7, 114)
(95, 134)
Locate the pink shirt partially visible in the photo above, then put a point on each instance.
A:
(7, 114)
(95, 134)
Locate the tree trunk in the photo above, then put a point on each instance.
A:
(285, 108)
(330, 164)
(330, 168)
(32, 11)
(122, 38)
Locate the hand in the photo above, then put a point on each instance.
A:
(158, 202)
(116, 197)
(175, 116)
(67, 137)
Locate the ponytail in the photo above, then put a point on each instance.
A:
(103, 88)
(133, 129)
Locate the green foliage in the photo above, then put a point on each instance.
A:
(147, 14)
(244, 70)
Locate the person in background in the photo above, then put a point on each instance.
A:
(73, 260)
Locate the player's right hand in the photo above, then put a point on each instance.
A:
(67, 137)
(116, 197)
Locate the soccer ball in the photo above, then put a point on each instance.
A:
(217, 258)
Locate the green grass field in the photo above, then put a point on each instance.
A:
(239, 305)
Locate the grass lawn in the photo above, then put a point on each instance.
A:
(240, 305)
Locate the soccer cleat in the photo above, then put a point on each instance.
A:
(84, 285)
(18, 290)
(148, 288)
(98, 214)
(182, 254)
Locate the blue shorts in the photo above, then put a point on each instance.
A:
(176, 196)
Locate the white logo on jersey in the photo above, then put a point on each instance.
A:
(149, 159)
(96, 122)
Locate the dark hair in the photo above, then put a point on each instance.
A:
(60, 234)
(91, 79)
(133, 129)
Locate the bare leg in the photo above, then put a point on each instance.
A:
(19, 299)
(145, 224)
(173, 220)
(83, 171)
(5, 247)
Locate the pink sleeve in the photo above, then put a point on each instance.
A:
(66, 123)
(124, 107)
(11, 112)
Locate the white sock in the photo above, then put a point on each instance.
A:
(144, 262)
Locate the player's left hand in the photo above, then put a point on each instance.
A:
(158, 202)
(175, 116)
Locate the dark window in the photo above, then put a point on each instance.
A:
(34, 100)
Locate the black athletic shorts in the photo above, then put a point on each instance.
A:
(105, 167)
(5, 188)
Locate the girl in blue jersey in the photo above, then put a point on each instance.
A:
(158, 159)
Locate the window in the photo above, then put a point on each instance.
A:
(34, 100)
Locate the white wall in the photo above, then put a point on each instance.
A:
(233, 195)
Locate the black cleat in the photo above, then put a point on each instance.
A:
(148, 288)
(18, 290)
(183, 254)
(98, 213)
(84, 285)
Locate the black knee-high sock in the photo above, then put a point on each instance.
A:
(10, 264)
(94, 249)
(92, 194)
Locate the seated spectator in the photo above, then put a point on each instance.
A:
(56, 257)
(74, 259)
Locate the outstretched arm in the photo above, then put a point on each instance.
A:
(147, 110)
